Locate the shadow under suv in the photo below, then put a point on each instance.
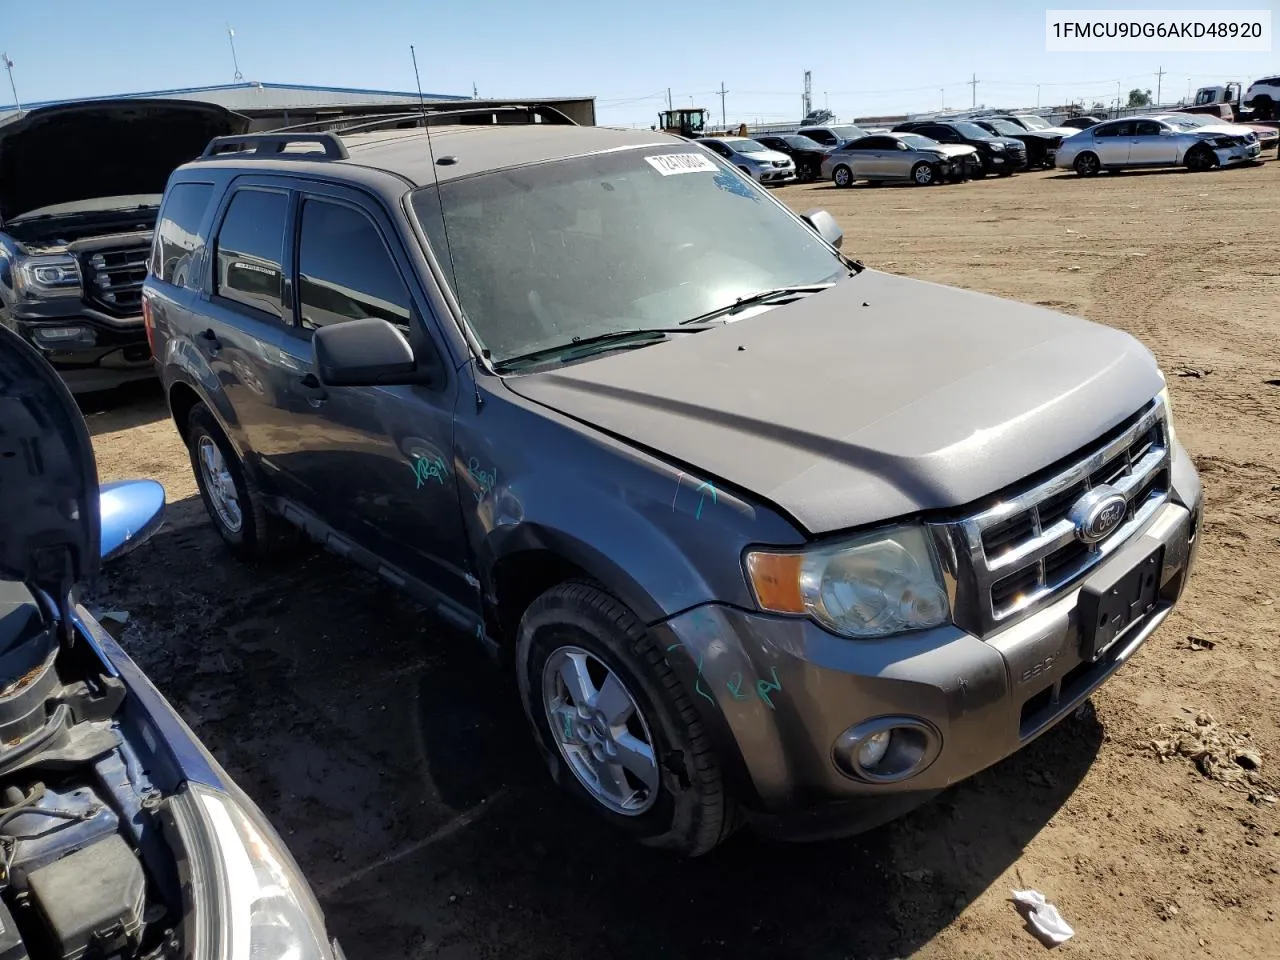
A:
(765, 535)
(80, 184)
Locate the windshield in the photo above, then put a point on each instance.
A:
(1005, 128)
(803, 143)
(918, 141)
(546, 253)
(848, 131)
(971, 131)
(743, 145)
(1034, 123)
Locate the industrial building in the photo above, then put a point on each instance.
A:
(273, 105)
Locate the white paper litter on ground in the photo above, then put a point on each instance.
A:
(1044, 918)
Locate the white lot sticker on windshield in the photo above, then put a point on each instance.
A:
(669, 163)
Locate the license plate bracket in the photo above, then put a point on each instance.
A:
(1112, 599)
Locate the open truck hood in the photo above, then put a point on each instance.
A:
(102, 148)
(878, 398)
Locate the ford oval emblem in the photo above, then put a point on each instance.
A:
(1098, 513)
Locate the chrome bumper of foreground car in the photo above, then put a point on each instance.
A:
(794, 702)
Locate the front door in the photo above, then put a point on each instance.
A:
(375, 463)
(1152, 144)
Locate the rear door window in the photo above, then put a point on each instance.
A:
(345, 271)
(177, 231)
(250, 245)
(1146, 128)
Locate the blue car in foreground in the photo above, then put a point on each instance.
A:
(120, 836)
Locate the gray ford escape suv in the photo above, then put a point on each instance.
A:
(764, 534)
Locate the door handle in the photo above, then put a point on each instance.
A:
(312, 389)
(211, 338)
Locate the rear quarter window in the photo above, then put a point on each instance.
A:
(177, 232)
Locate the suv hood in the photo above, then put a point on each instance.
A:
(103, 148)
(953, 149)
(878, 398)
(49, 526)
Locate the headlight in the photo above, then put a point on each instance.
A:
(250, 900)
(49, 276)
(881, 583)
(998, 147)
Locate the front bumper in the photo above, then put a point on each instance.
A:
(774, 175)
(780, 691)
(118, 354)
(1240, 153)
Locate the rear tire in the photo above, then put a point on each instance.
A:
(233, 501)
(576, 626)
(1087, 164)
(842, 176)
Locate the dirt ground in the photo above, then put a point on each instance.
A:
(397, 766)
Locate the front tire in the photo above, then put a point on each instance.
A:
(1087, 165)
(233, 501)
(842, 176)
(615, 724)
(1200, 159)
(924, 174)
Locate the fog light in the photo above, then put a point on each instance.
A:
(887, 749)
(64, 334)
(872, 749)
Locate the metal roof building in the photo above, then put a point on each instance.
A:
(272, 105)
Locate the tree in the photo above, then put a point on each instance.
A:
(1139, 98)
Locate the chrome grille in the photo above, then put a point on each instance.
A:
(113, 278)
(1024, 550)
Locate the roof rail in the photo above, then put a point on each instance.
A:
(273, 145)
(352, 124)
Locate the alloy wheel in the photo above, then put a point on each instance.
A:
(219, 485)
(600, 731)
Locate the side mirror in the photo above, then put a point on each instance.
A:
(825, 226)
(367, 353)
(132, 511)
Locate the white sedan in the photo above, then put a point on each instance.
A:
(1149, 142)
(753, 158)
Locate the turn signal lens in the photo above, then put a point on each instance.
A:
(775, 577)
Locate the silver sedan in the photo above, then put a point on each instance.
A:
(899, 156)
(1148, 142)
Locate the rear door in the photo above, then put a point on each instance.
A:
(1152, 144)
(243, 309)
(1111, 142)
(375, 463)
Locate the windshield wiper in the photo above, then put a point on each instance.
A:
(764, 296)
(585, 346)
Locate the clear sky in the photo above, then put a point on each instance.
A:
(866, 58)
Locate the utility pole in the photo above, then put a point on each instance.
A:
(231, 38)
(722, 91)
(1037, 96)
(1159, 82)
(974, 85)
(475, 94)
(8, 65)
(942, 93)
(1117, 98)
(808, 93)
(669, 107)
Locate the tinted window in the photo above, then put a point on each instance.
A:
(938, 132)
(876, 143)
(820, 136)
(716, 146)
(177, 231)
(345, 271)
(803, 143)
(1146, 128)
(1124, 129)
(249, 246)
